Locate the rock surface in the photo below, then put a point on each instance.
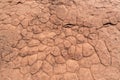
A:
(59, 40)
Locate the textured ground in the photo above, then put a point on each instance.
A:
(59, 39)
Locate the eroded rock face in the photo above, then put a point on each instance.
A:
(59, 40)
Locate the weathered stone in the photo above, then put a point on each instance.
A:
(41, 55)
(44, 17)
(45, 34)
(59, 40)
(24, 61)
(32, 59)
(48, 42)
(88, 50)
(59, 60)
(25, 70)
(33, 43)
(47, 68)
(113, 20)
(56, 51)
(70, 76)
(50, 59)
(85, 74)
(89, 61)
(67, 43)
(72, 39)
(57, 77)
(60, 68)
(103, 53)
(75, 52)
(42, 47)
(72, 65)
(80, 38)
(21, 44)
(41, 75)
(36, 67)
(61, 12)
(97, 71)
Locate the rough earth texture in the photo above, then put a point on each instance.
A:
(59, 39)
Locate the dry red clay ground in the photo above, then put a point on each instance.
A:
(59, 39)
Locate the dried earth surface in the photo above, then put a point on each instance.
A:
(59, 39)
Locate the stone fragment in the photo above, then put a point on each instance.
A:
(72, 65)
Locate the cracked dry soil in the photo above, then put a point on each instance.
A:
(59, 39)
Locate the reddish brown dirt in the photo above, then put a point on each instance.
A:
(59, 39)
